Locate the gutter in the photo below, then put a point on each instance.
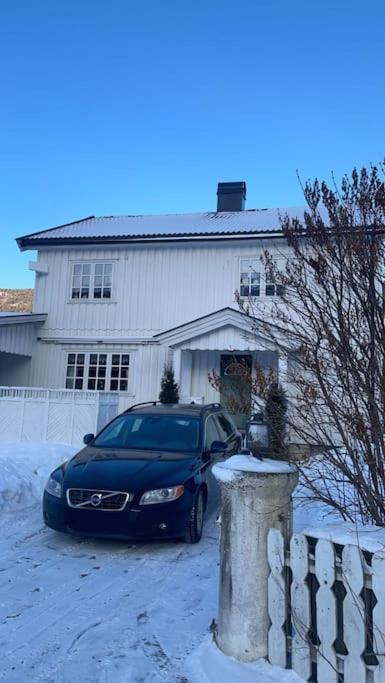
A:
(30, 243)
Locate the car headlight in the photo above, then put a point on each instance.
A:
(53, 487)
(162, 495)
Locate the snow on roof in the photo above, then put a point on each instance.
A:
(169, 225)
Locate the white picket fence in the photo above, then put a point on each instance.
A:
(61, 416)
(327, 609)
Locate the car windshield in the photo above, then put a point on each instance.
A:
(151, 432)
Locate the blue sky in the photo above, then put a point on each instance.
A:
(125, 107)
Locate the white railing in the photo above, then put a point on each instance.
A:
(327, 608)
(57, 415)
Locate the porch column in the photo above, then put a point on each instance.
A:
(283, 370)
(185, 374)
(177, 364)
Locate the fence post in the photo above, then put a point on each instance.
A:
(256, 496)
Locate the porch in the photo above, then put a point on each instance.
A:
(208, 344)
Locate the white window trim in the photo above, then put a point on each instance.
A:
(93, 262)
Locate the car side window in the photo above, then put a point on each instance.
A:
(225, 427)
(211, 432)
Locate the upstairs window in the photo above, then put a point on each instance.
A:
(256, 281)
(250, 278)
(91, 281)
(272, 288)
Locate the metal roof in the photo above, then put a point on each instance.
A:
(167, 226)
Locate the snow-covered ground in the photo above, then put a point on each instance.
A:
(101, 611)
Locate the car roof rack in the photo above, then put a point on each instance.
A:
(145, 403)
(212, 405)
(206, 406)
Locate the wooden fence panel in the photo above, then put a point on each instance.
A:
(300, 606)
(378, 586)
(326, 611)
(58, 415)
(354, 614)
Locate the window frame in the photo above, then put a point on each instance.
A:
(97, 366)
(264, 282)
(250, 284)
(211, 417)
(92, 264)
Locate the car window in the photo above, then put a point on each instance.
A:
(225, 427)
(211, 432)
(151, 432)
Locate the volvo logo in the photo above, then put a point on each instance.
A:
(96, 499)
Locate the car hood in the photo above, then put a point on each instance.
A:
(131, 471)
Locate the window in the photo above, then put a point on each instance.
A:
(75, 371)
(119, 371)
(91, 281)
(225, 427)
(152, 432)
(250, 278)
(102, 280)
(98, 371)
(271, 287)
(255, 281)
(211, 432)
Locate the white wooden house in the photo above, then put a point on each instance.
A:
(116, 297)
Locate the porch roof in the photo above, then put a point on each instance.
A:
(225, 329)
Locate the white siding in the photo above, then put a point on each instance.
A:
(155, 287)
(226, 338)
(18, 338)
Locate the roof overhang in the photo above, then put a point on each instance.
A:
(25, 243)
(22, 318)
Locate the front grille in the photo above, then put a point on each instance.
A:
(96, 499)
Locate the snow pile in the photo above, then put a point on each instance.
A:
(228, 470)
(209, 665)
(24, 469)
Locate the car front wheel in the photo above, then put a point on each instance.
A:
(194, 528)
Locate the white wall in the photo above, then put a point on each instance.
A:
(18, 338)
(156, 287)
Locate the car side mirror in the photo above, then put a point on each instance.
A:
(88, 438)
(218, 447)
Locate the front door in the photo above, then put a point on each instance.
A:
(235, 390)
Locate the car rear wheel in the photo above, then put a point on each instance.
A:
(194, 528)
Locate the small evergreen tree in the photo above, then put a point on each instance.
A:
(169, 391)
(276, 408)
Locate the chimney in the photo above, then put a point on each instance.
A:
(231, 196)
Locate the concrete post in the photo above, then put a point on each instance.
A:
(256, 496)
